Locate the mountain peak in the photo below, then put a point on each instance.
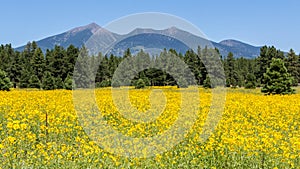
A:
(92, 26)
(172, 28)
(142, 30)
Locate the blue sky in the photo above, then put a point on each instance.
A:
(255, 22)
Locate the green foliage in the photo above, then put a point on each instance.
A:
(27, 69)
(115, 83)
(104, 83)
(5, 83)
(38, 63)
(83, 70)
(68, 83)
(265, 59)
(140, 84)
(195, 64)
(293, 65)
(277, 79)
(59, 84)
(182, 83)
(250, 81)
(34, 82)
(207, 83)
(230, 70)
(48, 81)
(211, 58)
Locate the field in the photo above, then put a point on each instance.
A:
(41, 129)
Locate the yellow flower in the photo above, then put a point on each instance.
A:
(16, 126)
(10, 125)
(23, 126)
(11, 139)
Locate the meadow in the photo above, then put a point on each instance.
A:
(41, 129)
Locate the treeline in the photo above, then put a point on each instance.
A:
(54, 69)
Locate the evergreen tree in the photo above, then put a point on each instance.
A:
(83, 72)
(231, 74)
(142, 75)
(68, 83)
(7, 58)
(115, 83)
(194, 63)
(26, 73)
(5, 83)
(250, 81)
(277, 79)
(38, 63)
(127, 53)
(203, 72)
(103, 72)
(48, 81)
(235, 79)
(104, 83)
(265, 59)
(70, 60)
(26, 67)
(59, 84)
(140, 84)
(34, 82)
(211, 58)
(206, 83)
(292, 62)
(182, 83)
(56, 62)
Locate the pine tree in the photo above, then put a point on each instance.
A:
(277, 79)
(292, 62)
(250, 81)
(59, 84)
(34, 82)
(265, 59)
(211, 58)
(127, 53)
(7, 61)
(48, 81)
(115, 83)
(194, 63)
(68, 83)
(202, 69)
(182, 83)
(56, 61)
(26, 73)
(230, 71)
(140, 84)
(83, 72)
(207, 83)
(5, 83)
(38, 63)
(70, 60)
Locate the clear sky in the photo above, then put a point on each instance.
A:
(257, 22)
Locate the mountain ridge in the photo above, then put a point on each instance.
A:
(80, 35)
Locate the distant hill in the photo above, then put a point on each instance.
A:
(150, 40)
(237, 48)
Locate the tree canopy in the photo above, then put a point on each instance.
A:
(55, 68)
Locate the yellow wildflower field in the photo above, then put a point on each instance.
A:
(41, 129)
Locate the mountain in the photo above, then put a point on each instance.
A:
(237, 48)
(76, 36)
(150, 40)
(151, 43)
